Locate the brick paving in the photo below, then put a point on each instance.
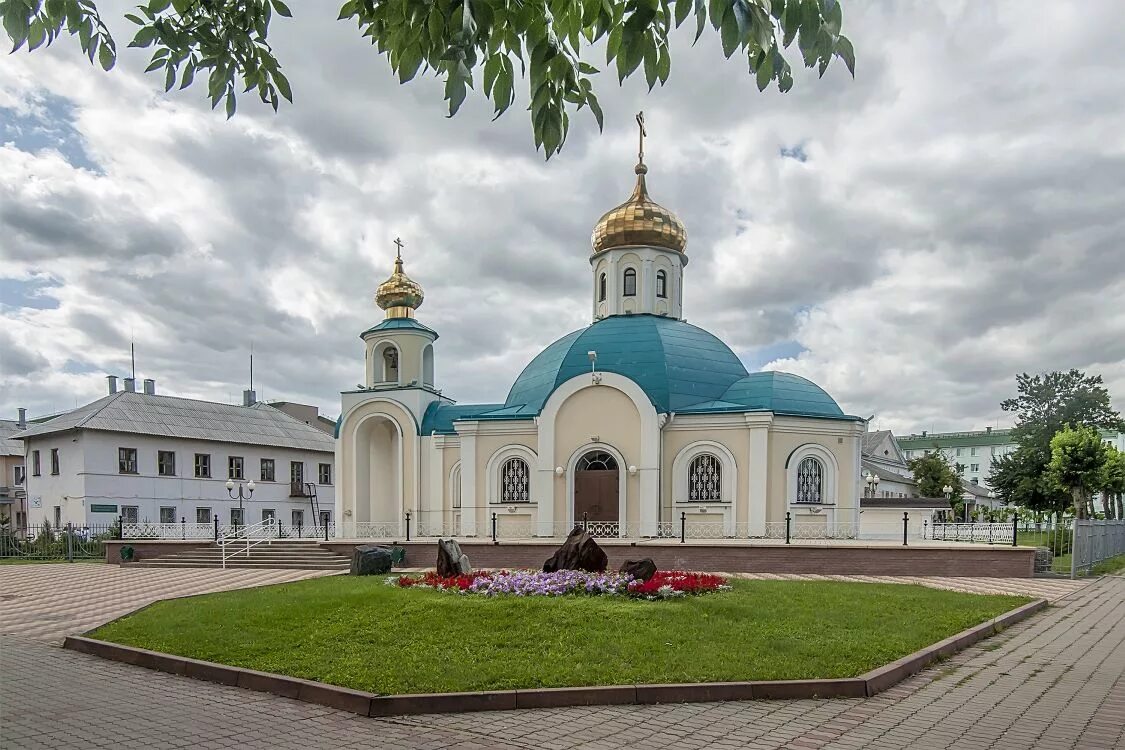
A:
(49, 601)
(1054, 681)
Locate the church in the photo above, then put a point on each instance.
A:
(639, 425)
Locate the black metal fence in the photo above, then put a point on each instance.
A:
(69, 542)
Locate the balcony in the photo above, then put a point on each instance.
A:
(302, 489)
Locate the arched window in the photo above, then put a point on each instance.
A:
(428, 365)
(661, 284)
(601, 288)
(705, 479)
(515, 482)
(810, 481)
(455, 487)
(630, 284)
(390, 365)
(597, 461)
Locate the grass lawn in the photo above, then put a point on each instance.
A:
(363, 634)
(1109, 567)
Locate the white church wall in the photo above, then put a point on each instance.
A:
(364, 497)
(835, 437)
(724, 436)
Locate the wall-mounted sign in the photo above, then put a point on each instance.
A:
(36, 502)
(103, 508)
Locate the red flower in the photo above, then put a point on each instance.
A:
(678, 580)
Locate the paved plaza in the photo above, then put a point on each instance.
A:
(1054, 681)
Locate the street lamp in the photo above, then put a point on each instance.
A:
(249, 493)
(872, 481)
(948, 492)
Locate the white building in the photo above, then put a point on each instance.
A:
(162, 459)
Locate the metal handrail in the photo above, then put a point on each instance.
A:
(247, 533)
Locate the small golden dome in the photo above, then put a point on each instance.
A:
(399, 295)
(639, 221)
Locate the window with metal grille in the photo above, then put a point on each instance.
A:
(298, 517)
(515, 482)
(203, 515)
(810, 481)
(630, 285)
(129, 514)
(126, 460)
(168, 514)
(705, 479)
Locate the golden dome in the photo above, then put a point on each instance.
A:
(399, 295)
(639, 221)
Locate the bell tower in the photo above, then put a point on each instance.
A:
(638, 253)
(400, 350)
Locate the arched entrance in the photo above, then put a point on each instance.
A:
(378, 473)
(596, 493)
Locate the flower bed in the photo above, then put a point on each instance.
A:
(664, 585)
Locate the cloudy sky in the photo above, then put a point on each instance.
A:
(909, 239)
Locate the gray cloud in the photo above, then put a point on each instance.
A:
(957, 217)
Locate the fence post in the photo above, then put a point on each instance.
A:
(300, 531)
(1015, 529)
(326, 529)
(408, 526)
(216, 520)
(494, 528)
(925, 525)
(120, 527)
(990, 532)
(585, 521)
(905, 527)
(183, 527)
(1073, 547)
(683, 526)
(69, 542)
(788, 521)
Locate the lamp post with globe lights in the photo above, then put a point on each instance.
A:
(249, 492)
(872, 482)
(948, 492)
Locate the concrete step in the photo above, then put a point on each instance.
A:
(300, 555)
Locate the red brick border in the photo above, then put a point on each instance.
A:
(370, 704)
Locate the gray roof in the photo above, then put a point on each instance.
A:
(871, 440)
(938, 503)
(9, 446)
(169, 416)
(885, 472)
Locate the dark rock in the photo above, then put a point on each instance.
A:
(451, 561)
(641, 570)
(370, 559)
(578, 552)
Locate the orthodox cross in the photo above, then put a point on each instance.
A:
(398, 245)
(641, 137)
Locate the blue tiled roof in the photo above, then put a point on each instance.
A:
(681, 367)
(399, 323)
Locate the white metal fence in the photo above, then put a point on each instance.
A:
(993, 533)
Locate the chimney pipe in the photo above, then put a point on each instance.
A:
(150, 387)
(22, 424)
(923, 433)
(249, 397)
(112, 383)
(130, 385)
(987, 430)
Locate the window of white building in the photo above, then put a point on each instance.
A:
(810, 481)
(234, 467)
(203, 515)
(324, 473)
(166, 463)
(203, 465)
(130, 514)
(168, 514)
(630, 282)
(515, 482)
(126, 460)
(267, 473)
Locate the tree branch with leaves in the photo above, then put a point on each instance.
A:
(464, 42)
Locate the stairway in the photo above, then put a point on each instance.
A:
(298, 555)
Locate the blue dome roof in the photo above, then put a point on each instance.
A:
(682, 368)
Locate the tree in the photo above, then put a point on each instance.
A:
(1043, 405)
(1078, 458)
(462, 41)
(1020, 478)
(1113, 484)
(932, 473)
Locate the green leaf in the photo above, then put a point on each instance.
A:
(683, 8)
(846, 53)
(596, 108)
(282, 84)
(169, 79)
(36, 35)
(145, 37)
(158, 6)
(729, 33)
(282, 10)
(230, 104)
(188, 77)
(664, 64)
(155, 64)
(135, 19)
(17, 23)
(764, 71)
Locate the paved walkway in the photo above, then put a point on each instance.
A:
(1055, 681)
(49, 601)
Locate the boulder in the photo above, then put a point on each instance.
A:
(451, 561)
(641, 570)
(371, 559)
(578, 552)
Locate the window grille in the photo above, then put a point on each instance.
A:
(515, 482)
(810, 481)
(597, 461)
(705, 479)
